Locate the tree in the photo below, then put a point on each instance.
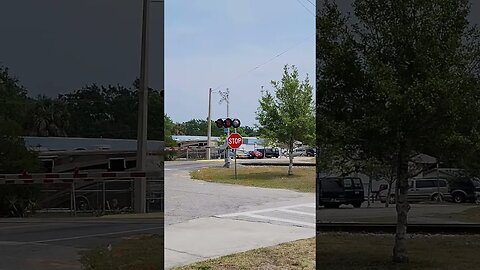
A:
(13, 103)
(17, 200)
(48, 117)
(287, 115)
(398, 79)
(169, 126)
(112, 111)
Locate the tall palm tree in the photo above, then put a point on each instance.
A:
(49, 117)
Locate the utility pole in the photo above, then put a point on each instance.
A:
(225, 97)
(140, 185)
(209, 131)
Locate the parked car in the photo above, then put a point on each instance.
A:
(421, 189)
(269, 152)
(299, 152)
(242, 154)
(464, 189)
(310, 152)
(255, 154)
(335, 191)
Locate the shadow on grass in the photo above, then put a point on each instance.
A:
(144, 252)
(344, 251)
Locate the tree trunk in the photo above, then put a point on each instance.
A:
(290, 155)
(390, 183)
(400, 254)
(369, 190)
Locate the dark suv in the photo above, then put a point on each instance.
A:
(334, 191)
(269, 152)
(464, 189)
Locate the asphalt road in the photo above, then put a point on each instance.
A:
(205, 220)
(189, 199)
(54, 243)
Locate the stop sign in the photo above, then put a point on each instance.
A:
(234, 140)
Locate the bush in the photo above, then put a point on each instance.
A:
(17, 200)
(171, 155)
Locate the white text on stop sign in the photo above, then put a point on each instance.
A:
(234, 141)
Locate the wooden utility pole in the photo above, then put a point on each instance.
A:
(140, 185)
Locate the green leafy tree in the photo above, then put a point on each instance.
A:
(398, 79)
(48, 117)
(246, 131)
(112, 111)
(169, 127)
(155, 115)
(196, 127)
(287, 115)
(13, 103)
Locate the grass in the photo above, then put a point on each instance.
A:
(144, 252)
(344, 251)
(468, 215)
(293, 255)
(336, 251)
(303, 178)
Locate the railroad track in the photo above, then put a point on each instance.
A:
(390, 228)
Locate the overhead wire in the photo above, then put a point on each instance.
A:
(307, 9)
(271, 59)
(311, 3)
(262, 64)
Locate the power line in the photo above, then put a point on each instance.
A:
(262, 64)
(309, 11)
(311, 3)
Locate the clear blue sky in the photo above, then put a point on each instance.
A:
(212, 43)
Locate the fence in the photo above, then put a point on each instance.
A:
(197, 152)
(91, 191)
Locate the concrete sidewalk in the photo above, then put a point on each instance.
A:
(206, 238)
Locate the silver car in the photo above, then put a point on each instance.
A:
(421, 189)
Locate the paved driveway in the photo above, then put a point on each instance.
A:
(207, 220)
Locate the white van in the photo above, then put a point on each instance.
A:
(420, 189)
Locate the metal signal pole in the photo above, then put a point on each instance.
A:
(209, 131)
(140, 185)
(225, 97)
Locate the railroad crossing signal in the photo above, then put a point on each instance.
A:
(227, 123)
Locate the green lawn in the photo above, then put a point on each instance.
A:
(344, 251)
(143, 252)
(336, 251)
(303, 178)
(469, 215)
(294, 255)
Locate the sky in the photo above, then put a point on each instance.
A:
(215, 43)
(57, 46)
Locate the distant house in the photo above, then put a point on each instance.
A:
(249, 143)
(63, 154)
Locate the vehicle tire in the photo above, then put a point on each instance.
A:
(458, 197)
(357, 204)
(332, 205)
(391, 199)
(82, 203)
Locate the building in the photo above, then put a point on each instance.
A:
(63, 154)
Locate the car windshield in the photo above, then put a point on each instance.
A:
(332, 184)
(476, 182)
